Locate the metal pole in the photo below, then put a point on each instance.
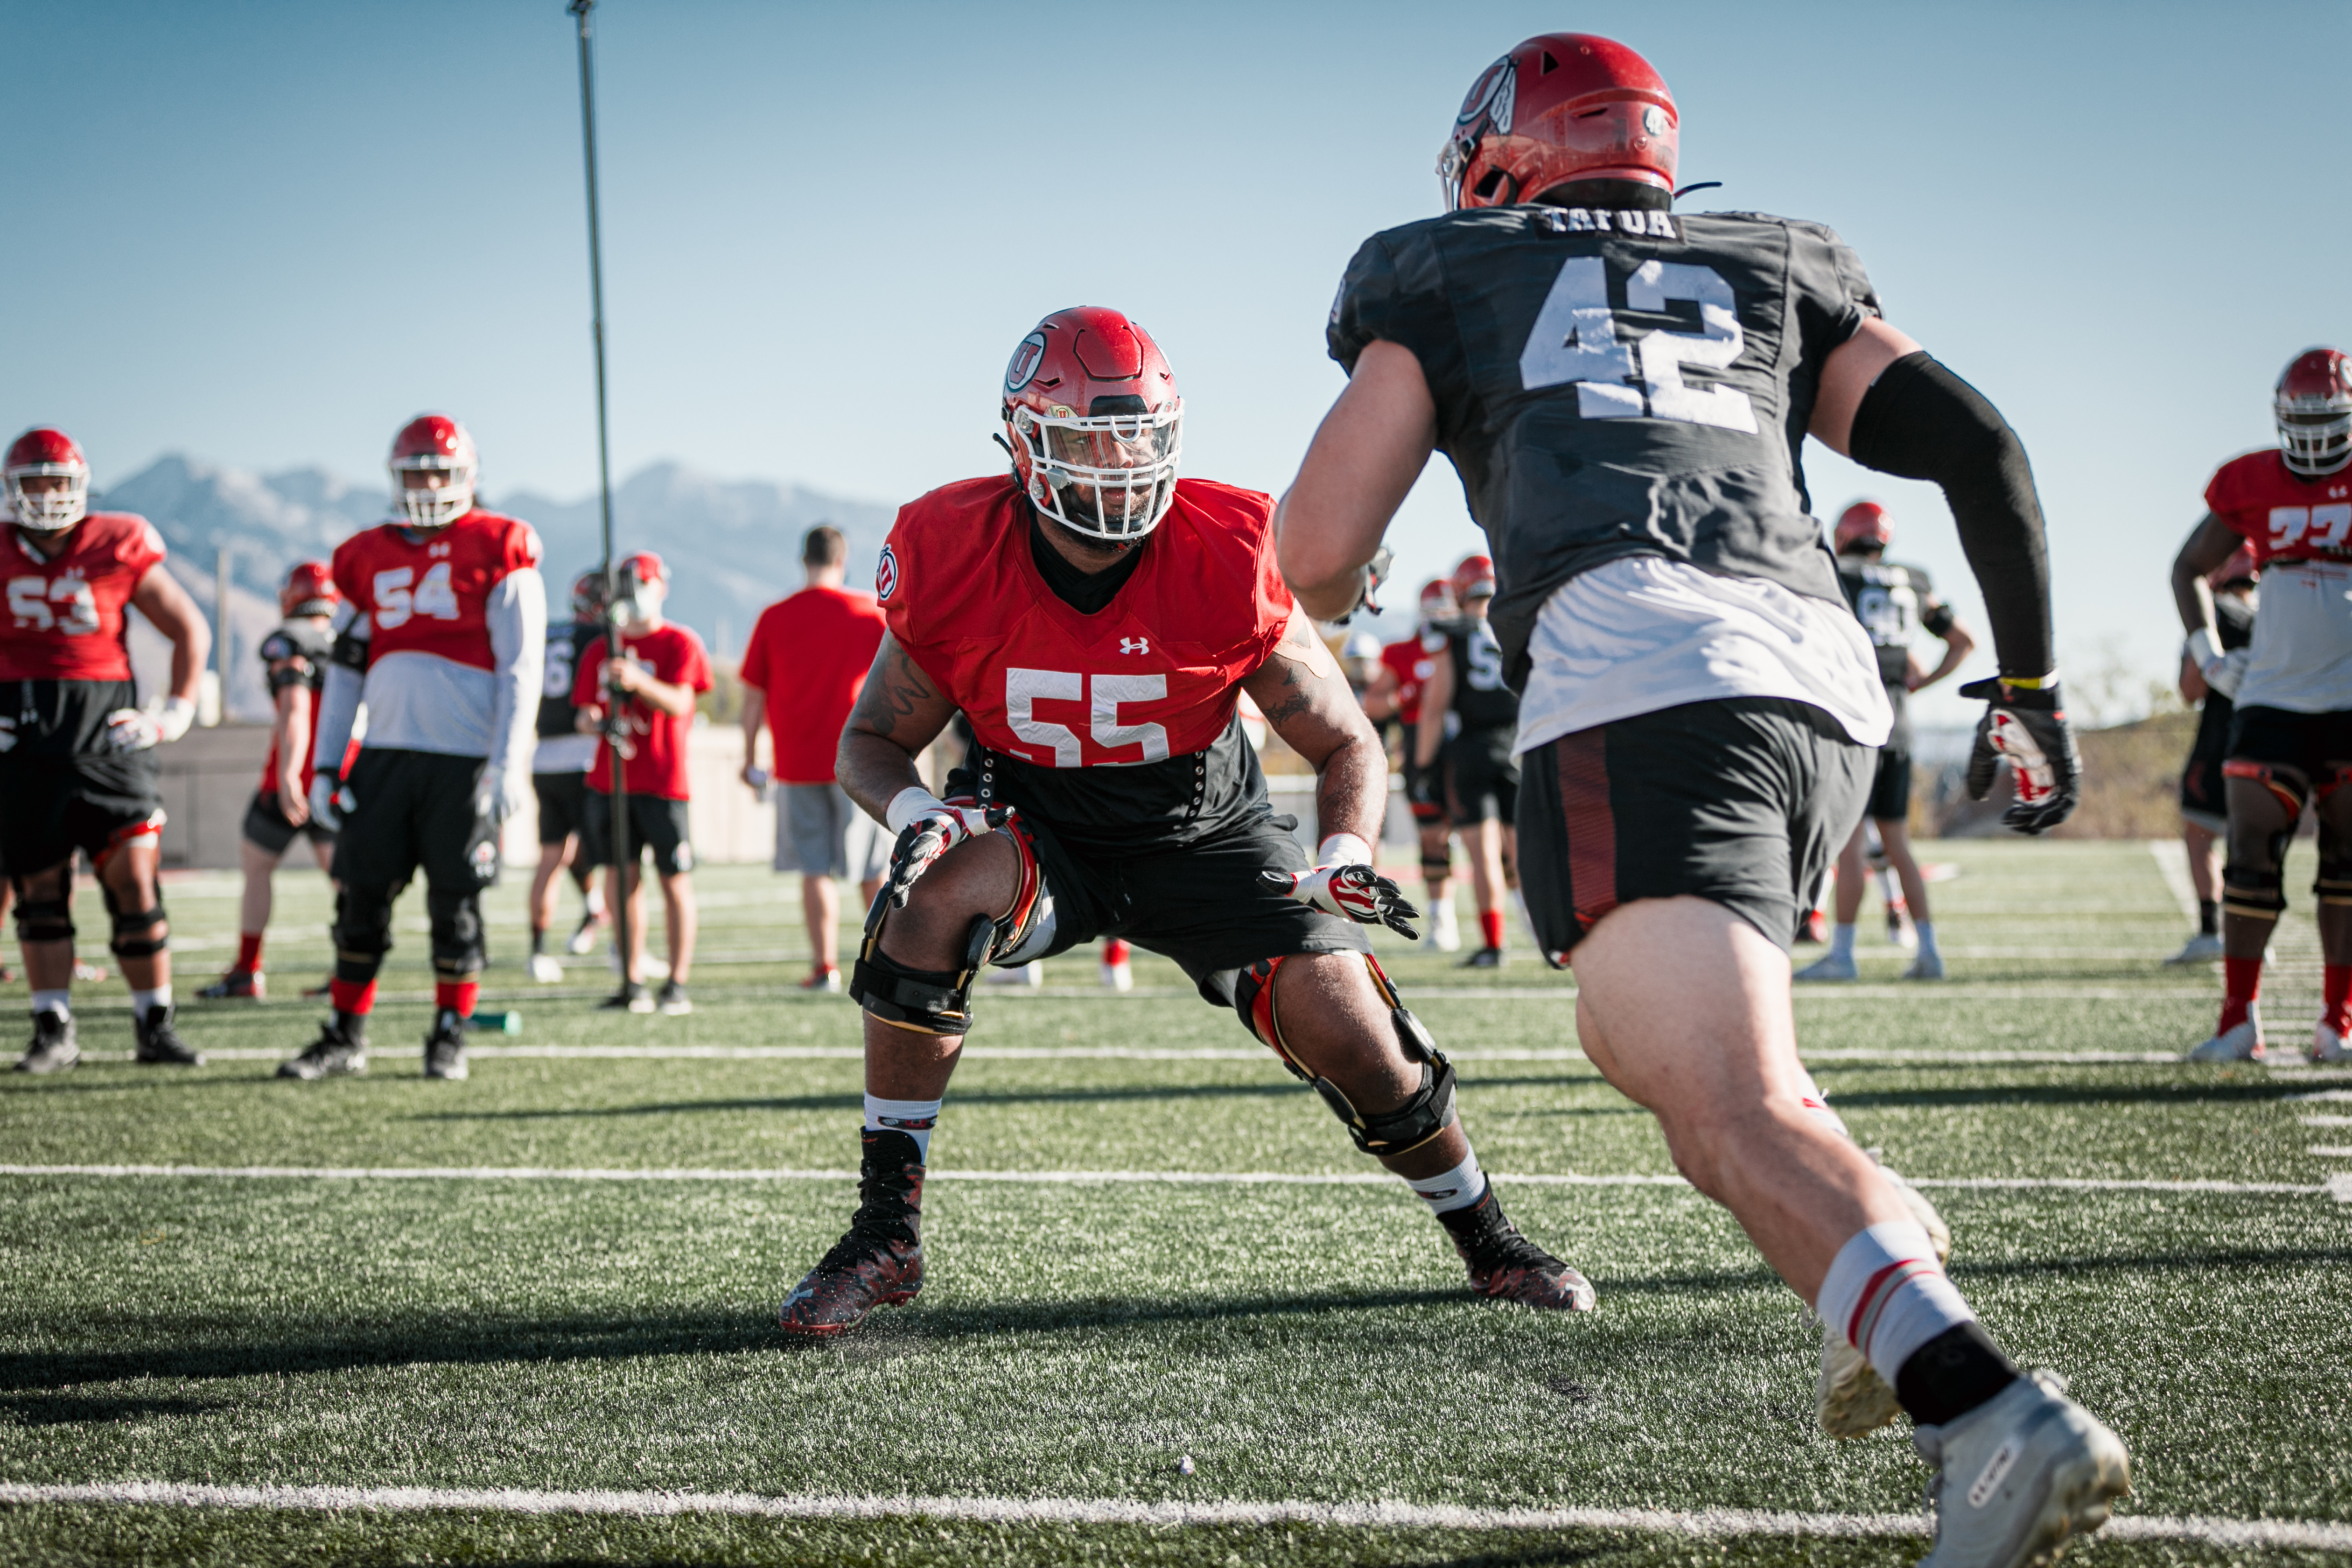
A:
(220, 637)
(615, 730)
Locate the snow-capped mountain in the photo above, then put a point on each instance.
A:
(732, 546)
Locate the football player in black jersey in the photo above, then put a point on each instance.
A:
(2204, 808)
(558, 781)
(1468, 721)
(1894, 603)
(295, 658)
(1625, 392)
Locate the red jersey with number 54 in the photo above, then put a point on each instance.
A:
(427, 592)
(65, 614)
(2281, 514)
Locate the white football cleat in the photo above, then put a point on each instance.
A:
(2018, 1475)
(1928, 965)
(1031, 974)
(1445, 933)
(2202, 948)
(2240, 1043)
(2328, 1046)
(1832, 966)
(1118, 976)
(1850, 1398)
(546, 969)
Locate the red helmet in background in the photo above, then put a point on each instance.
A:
(1437, 600)
(2239, 568)
(588, 595)
(43, 453)
(2312, 404)
(1562, 107)
(1863, 526)
(643, 567)
(1474, 579)
(1095, 424)
(433, 443)
(309, 590)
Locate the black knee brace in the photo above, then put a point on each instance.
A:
(362, 931)
(1434, 869)
(138, 934)
(43, 920)
(933, 1001)
(2252, 892)
(457, 918)
(1429, 1113)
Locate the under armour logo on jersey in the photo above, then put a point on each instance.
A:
(441, 549)
(1135, 645)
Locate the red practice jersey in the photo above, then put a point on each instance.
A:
(427, 592)
(675, 656)
(1412, 665)
(1156, 674)
(65, 619)
(2281, 514)
(808, 657)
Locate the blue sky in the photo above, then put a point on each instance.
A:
(265, 233)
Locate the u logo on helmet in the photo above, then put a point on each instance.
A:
(1026, 358)
(886, 574)
(1494, 97)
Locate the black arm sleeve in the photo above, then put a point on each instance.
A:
(1919, 421)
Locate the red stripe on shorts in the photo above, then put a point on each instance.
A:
(1583, 762)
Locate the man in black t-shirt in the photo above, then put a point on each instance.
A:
(558, 780)
(2204, 812)
(1894, 603)
(1468, 724)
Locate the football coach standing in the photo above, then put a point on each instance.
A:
(802, 670)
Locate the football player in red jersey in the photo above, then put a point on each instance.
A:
(1098, 619)
(440, 633)
(77, 766)
(2291, 735)
(1699, 709)
(295, 655)
(1395, 693)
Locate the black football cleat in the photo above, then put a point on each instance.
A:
(445, 1047)
(1504, 1266)
(53, 1048)
(1484, 958)
(632, 997)
(341, 1047)
(236, 985)
(880, 1262)
(160, 1043)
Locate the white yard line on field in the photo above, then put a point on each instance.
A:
(2280, 1534)
(2338, 1187)
(2171, 857)
(1898, 1054)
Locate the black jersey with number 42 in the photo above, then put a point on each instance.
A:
(1613, 383)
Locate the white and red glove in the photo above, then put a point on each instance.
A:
(927, 827)
(1345, 884)
(140, 729)
(2026, 728)
(2223, 672)
(328, 801)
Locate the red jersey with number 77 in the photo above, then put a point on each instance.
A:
(65, 614)
(428, 592)
(2284, 515)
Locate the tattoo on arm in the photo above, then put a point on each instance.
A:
(898, 690)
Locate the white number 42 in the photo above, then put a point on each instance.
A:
(1575, 340)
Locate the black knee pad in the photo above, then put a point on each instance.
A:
(362, 931)
(1400, 1132)
(933, 1001)
(457, 918)
(2335, 884)
(140, 934)
(2258, 894)
(1433, 869)
(1428, 1113)
(43, 920)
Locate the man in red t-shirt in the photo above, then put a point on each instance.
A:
(661, 668)
(802, 670)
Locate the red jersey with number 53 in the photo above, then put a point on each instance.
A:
(2282, 515)
(1116, 720)
(427, 592)
(65, 616)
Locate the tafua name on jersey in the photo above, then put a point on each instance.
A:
(65, 614)
(1153, 676)
(427, 591)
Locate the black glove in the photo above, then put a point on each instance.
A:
(2028, 728)
(1357, 893)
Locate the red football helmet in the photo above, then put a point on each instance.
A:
(1474, 579)
(1562, 107)
(1437, 600)
(1096, 424)
(2239, 568)
(41, 453)
(2313, 405)
(309, 590)
(433, 444)
(588, 596)
(1863, 526)
(641, 568)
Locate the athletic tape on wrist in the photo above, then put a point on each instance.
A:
(1343, 849)
(909, 804)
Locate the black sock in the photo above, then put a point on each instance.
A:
(2208, 917)
(1951, 1374)
(538, 940)
(352, 1027)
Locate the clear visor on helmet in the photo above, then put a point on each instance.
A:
(1107, 476)
(2315, 432)
(432, 491)
(47, 497)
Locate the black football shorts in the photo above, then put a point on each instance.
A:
(2204, 798)
(563, 805)
(266, 829)
(60, 788)
(413, 810)
(2313, 744)
(1744, 801)
(655, 823)
(1481, 777)
(1890, 786)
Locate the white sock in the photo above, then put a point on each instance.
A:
(59, 1001)
(1817, 1105)
(1449, 1190)
(1842, 941)
(159, 997)
(915, 1117)
(1927, 929)
(1885, 1294)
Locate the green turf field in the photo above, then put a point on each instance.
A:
(577, 1298)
